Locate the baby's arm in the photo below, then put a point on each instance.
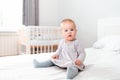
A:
(81, 55)
(58, 51)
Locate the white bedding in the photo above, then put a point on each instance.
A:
(100, 65)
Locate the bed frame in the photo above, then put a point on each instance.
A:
(40, 39)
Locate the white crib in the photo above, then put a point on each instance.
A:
(39, 39)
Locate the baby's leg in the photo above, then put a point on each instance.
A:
(47, 63)
(72, 71)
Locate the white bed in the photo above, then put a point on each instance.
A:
(101, 63)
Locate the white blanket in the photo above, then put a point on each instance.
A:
(100, 65)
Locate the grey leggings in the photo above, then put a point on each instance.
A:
(72, 71)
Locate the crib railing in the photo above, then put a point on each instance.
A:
(44, 33)
(41, 39)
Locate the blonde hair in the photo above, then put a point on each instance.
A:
(68, 20)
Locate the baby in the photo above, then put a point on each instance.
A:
(70, 54)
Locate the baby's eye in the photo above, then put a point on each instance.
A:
(66, 30)
(72, 30)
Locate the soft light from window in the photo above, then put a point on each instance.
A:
(10, 13)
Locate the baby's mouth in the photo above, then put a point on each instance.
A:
(69, 35)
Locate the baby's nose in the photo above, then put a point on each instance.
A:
(69, 31)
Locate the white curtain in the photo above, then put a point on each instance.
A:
(10, 12)
(31, 12)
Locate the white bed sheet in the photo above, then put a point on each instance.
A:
(100, 65)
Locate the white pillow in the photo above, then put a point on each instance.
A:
(109, 42)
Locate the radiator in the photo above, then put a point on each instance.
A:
(8, 43)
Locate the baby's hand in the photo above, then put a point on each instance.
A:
(55, 56)
(78, 62)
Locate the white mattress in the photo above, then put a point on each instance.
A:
(100, 65)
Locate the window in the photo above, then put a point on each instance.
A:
(10, 13)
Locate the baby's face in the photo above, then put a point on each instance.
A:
(68, 31)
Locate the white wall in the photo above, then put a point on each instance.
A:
(84, 12)
(48, 12)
